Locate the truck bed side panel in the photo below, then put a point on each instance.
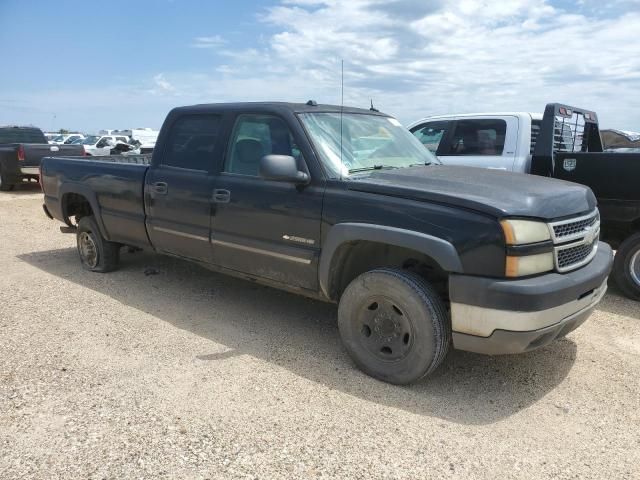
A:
(117, 189)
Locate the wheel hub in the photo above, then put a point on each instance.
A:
(88, 250)
(386, 331)
(634, 267)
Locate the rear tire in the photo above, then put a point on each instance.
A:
(96, 253)
(394, 325)
(5, 185)
(626, 267)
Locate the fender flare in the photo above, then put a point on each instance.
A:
(440, 250)
(90, 195)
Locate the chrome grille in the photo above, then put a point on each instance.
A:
(572, 256)
(576, 227)
(575, 241)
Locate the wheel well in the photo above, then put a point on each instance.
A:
(354, 258)
(75, 205)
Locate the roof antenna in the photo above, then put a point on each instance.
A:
(372, 108)
(341, 109)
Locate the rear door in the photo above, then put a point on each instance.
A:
(487, 142)
(178, 188)
(265, 228)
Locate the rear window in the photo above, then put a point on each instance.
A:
(191, 142)
(478, 137)
(21, 135)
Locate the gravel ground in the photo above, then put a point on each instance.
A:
(166, 370)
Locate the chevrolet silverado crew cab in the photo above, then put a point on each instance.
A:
(21, 149)
(563, 143)
(345, 205)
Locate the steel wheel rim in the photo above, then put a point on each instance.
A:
(384, 329)
(88, 250)
(634, 267)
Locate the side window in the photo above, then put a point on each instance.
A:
(478, 137)
(431, 134)
(191, 142)
(255, 136)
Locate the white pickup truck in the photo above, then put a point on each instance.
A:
(563, 143)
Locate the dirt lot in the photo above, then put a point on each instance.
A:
(190, 374)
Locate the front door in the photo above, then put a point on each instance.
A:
(265, 228)
(178, 190)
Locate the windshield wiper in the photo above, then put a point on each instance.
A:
(420, 164)
(372, 167)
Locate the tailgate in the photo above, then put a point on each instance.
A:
(34, 152)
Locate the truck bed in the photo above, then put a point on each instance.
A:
(114, 185)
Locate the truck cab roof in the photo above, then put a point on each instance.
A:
(273, 106)
(522, 115)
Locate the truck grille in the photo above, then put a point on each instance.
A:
(575, 227)
(575, 241)
(569, 256)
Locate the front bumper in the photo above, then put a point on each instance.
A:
(498, 316)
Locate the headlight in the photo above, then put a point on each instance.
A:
(519, 232)
(525, 257)
(529, 265)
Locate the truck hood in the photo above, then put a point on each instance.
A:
(497, 193)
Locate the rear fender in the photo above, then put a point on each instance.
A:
(90, 195)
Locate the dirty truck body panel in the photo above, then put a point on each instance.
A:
(209, 194)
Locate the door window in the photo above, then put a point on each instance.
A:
(478, 137)
(431, 134)
(192, 141)
(255, 136)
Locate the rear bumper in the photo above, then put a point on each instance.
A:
(495, 316)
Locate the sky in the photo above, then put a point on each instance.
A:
(124, 64)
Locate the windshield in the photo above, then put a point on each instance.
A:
(368, 142)
(90, 140)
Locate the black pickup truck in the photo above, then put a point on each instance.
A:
(345, 205)
(21, 150)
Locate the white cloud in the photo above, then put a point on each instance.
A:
(416, 58)
(215, 41)
(162, 85)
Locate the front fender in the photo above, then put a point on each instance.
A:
(442, 251)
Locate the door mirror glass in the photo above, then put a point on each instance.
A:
(282, 168)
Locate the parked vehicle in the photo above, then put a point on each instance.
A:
(563, 143)
(66, 138)
(50, 136)
(145, 137)
(101, 145)
(21, 149)
(344, 205)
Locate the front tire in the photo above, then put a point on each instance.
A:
(96, 253)
(394, 325)
(626, 267)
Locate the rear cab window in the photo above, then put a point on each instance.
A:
(21, 135)
(192, 141)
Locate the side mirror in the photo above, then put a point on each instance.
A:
(282, 168)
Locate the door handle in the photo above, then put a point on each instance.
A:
(161, 188)
(221, 195)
